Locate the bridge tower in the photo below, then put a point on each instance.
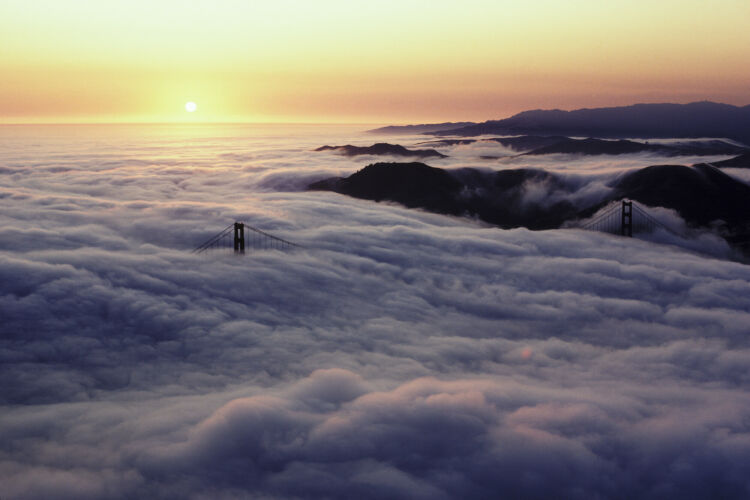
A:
(239, 237)
(627, 218)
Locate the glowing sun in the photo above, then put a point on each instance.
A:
(190, 107)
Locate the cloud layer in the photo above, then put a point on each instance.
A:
(400, 354)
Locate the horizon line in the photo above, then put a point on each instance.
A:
(15, 124)
(397, 122)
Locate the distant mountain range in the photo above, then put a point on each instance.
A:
(543, 145)
(694, 120)
(618, 147)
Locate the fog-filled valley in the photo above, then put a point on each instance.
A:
(396, 353)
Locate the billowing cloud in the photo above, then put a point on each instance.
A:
(399, 354)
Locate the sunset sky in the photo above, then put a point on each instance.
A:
(350, 61)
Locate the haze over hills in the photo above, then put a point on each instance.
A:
(592, 146)
(694, 120)
(424, 128)
(542, 145)
(521, 143)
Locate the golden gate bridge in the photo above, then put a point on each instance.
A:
(233, 237)
(625, 219)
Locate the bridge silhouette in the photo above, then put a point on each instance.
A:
(233, 237)
(625, 219)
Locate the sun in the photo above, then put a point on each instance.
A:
(190, 107)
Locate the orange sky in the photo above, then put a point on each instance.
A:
(351, 61)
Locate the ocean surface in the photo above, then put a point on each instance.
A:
(395, 354)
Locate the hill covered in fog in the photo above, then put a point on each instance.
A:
(536, 199)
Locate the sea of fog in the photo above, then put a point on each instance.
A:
(399, 354)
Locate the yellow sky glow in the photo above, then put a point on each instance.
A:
(352, 61)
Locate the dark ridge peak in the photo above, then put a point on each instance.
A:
(700, 172)
(741, 161)
(701, 194)
(656, 173)
(389, 168)
(711, 172)
(494, 197)
(658, 176)
(414, 185)
(382, 148)
(414, 175)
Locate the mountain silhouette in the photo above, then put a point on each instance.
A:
(382, 148)
(694, 120)
(414, 185)
(741, 161)
(593, 146)
(702, 194)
